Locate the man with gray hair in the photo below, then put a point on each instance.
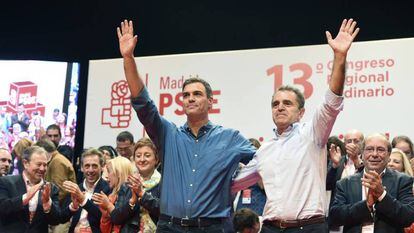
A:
(5, 161)
(377, 199)
(27, 202)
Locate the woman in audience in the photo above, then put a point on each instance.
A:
(146, 161)
(119, 212)
(399, 162)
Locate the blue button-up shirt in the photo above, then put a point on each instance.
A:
(197, 170)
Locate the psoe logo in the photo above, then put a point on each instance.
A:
(118, 115)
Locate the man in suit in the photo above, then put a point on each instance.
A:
(85, 214)
(27, 203)
(377, 199)
(5, 161)
(342, 166)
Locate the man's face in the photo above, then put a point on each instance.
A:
(54, 136)
(5, 162)
(354, 138)
(285, 109)
(36, 167)
(375, 154)
(91, 169)
(125, 148)
(195, 101)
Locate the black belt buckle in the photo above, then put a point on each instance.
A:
(185, 222)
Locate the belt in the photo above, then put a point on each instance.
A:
(295, 223)
(191, 222)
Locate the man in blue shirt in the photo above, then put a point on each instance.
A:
(199, 158)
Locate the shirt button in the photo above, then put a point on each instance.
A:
(195, 155)
(191, 185)
(197, 140)
(193, 170)
(188, 201)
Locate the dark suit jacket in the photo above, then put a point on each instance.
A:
(123, 214)
(151, 202)
(94, 214)
(14, 217)
(392, 214)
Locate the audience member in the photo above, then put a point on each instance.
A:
(246, 221)
(27, 202)
(5, 161)
(125, 144)
(377, 199)
(85, 215)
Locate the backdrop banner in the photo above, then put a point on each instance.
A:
(378, 88)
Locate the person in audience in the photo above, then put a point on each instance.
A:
(85, 215)
(399, 162)
(55, 135)
(377, 199)
(405, 144)
(27, 202)
(5, 161)
(146, 160)
(109, 153)
(254, 197)
(125, 144)
(119, 211)
(246, 221)
(292, 165)
(59, 170)
(17, 152)
(198, 159)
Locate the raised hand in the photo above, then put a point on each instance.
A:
(343, 40)
(352, 151)
(75, 202)
(46, 196)
(135, 184)
(127, 39)
(31, 192)
(373, 181)
(335, 155)
(74, 190)
(102, 200)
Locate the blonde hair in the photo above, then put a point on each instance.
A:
(406, 163)
(122, 168)
(21, 145)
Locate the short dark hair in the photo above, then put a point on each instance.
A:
(299, 95)
(337, 142)
(93, 151)
(29, 151)
(110, 149)
(402, 138)
(244, 218)
(54, 126)
(125, 136)
(255, 142)
(145, 142)
(46, 144)
(206, 85)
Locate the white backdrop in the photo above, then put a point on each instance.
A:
(378, 88)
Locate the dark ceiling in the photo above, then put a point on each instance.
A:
(82, 30)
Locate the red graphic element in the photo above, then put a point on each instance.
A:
(118, 115)
(25, 94)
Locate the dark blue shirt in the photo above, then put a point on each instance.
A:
(197, 170)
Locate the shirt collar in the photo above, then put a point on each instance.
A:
(205, 127)
(27, 181)
(287, 131)
(381, 174)
(85, 186)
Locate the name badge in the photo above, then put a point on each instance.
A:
(247, 196)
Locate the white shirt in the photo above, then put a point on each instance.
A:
(293, 166)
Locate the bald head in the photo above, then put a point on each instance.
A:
(5, 161)
(354, 136)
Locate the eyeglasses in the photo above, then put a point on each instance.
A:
(380, 150)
